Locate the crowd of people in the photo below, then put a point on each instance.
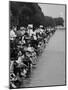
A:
(26, 45)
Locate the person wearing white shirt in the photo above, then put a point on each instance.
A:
(30, 29)
(41, 29)
(12, 35)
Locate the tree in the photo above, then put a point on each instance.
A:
(24, 13)
(59, 21)
(49, 21)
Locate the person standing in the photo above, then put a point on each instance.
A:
(30, 29)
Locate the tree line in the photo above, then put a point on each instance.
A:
(23, 13)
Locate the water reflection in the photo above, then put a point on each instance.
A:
(25, 82)
(50, 69)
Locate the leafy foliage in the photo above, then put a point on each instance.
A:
(22, 13)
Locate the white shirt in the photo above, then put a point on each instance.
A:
(23, 41)
(41, 31)
(29, 49)
(34, 32)
(12, 34)
(19, 61)
(22, 32)
(35, 38)
(30, 31)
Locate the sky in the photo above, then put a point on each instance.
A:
(53, 10)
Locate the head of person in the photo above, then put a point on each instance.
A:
(30, 26)
(14, 28)
(22, 28)
(41, 26)
(20, 53)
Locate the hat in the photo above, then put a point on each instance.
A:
(30, 26)
(22, 28)
(41, 26)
